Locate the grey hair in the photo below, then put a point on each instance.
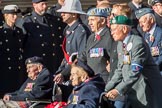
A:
(150, 15)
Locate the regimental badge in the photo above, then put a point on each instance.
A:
(96, 52)
(154, 51)
(67, 32)
(93, 12)
(126, 59)
(29, 87)
(75, 99)
(129, 46)
(152, 38)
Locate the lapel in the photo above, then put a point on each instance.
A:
(70, 31)
(155, 36)
(92, 42)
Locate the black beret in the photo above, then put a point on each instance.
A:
(37, 1)
(87, 69)
(11, 9)
(33, 60)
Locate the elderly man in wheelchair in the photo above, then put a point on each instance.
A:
(38, 86)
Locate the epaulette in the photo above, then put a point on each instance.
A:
(28, 14)
(54, 6)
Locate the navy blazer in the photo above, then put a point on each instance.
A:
(40, 88)
(157, 42)
(87, 94)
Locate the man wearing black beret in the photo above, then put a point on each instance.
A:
(37, 86)
(87, 87)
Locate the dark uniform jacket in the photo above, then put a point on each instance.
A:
(76, 39)
(133, 9)
(158, 19)
(155, 43)
(40, 88)
(44, 38)
(1, 18)
(53, 10)
(97, 52)
(137, 74)
(11, 61)
(87, 94)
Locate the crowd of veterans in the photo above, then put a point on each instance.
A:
(107, 57)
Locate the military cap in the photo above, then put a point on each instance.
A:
(37, 1)
(11, 9)
(71, 6)
(121, 19)
(87, 69)
(153, 2)
(142, 12)
(33, 60)
(98, 12)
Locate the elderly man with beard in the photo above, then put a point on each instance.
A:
(38, 86)
(43, 35)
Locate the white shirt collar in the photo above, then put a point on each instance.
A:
(126, 38)
(100, 31)
(151, 32)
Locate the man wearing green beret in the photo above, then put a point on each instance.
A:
(136, 74)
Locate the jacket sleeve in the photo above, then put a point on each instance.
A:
(41, 88)
(131, 73)
(88, 98)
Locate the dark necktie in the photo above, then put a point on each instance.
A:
(147, 37)
(44, 20)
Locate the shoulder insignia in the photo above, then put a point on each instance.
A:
(28, 14)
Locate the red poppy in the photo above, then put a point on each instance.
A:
(98, 37)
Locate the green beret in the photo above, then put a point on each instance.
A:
(141, 12)
(121, 19)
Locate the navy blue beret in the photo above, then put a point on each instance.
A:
(99, 12)
(37, 1)
(33, 60)
(84, 65)
(11, 9)
(142, 12)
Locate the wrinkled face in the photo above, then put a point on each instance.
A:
(158, 8)
(75, 76)
(40, 7)
(145, 23)
(10, 18)
(117, 32)
(95, 23)
(32, 70)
